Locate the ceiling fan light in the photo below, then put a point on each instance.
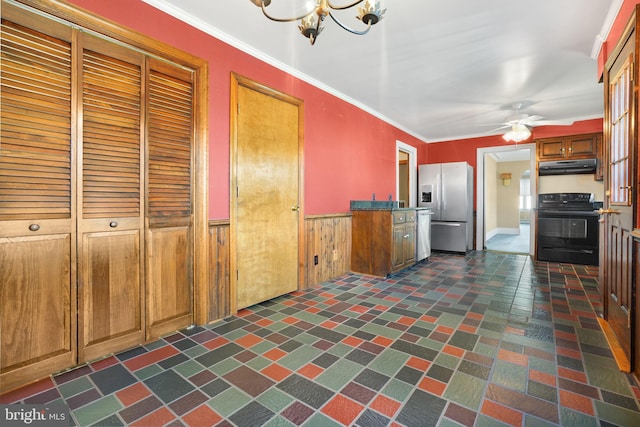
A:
(518, 133)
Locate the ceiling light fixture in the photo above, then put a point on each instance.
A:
(518, 133)
(311, 22)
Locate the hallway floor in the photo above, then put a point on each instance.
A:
(486, 339)
(512, 243)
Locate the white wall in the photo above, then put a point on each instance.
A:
(508, 197)
(491, 194)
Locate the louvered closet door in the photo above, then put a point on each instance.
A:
(37, 237)
(110, 207)
(169, 196)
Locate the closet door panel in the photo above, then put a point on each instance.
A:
(169, 276)
(37, 224)
(110, 262)
(169, 198)
(110, 201)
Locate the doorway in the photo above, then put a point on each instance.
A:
(503, 208)
(266, 193)
(406, 174)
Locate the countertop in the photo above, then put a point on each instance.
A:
(378, 205)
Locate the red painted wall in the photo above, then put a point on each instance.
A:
(465, 149)
(349, 154)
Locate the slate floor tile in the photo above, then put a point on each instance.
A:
(169, 386)
(112, 379)
(475, 340)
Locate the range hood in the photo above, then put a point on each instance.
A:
(567, 167)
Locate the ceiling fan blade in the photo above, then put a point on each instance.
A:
(506, 126)
(565, 122)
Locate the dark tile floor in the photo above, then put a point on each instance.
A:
(486, 339)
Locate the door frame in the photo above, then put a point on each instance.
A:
(413, 172)
(236, 82)
(480, 189)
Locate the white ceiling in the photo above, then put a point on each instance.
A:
(439, 70)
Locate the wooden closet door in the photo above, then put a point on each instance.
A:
(169, 195)
(110, 199)
(37, 228)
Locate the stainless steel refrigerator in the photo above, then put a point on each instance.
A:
(447, 189)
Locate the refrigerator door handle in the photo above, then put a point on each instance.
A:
(439, 193)
(447, 224)
(444, 200)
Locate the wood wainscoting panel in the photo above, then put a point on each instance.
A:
(327, 237)
(219, 256)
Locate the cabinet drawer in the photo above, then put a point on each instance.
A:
(411, 217)
(399, 217)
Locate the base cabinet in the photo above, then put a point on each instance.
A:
(383, 241)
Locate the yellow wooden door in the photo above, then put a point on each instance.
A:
(266, 202)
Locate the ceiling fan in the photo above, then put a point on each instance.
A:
(520, 124)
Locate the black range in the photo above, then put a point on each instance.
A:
(567, 228)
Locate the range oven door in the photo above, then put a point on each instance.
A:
(569, 237)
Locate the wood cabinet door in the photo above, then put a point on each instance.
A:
(398, 254)
(110, 198)
(169, 280)
(37, 228)
(582, 146)
(551, 149)
(409, 244)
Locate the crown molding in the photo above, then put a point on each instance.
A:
(244, 47)
(606, 28)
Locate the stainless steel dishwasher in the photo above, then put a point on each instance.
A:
(423, 240)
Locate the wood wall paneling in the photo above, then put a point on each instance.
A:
(329, 238)
(219, 280)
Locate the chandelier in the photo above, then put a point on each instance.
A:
(518, 133)
(312, 20)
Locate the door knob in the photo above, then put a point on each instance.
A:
(295, 208)
(608, 211)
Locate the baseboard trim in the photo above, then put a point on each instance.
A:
(502, 230)
(618, 353)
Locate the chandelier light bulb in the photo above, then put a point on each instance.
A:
(310, 23)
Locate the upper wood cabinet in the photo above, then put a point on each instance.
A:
(569, 147)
